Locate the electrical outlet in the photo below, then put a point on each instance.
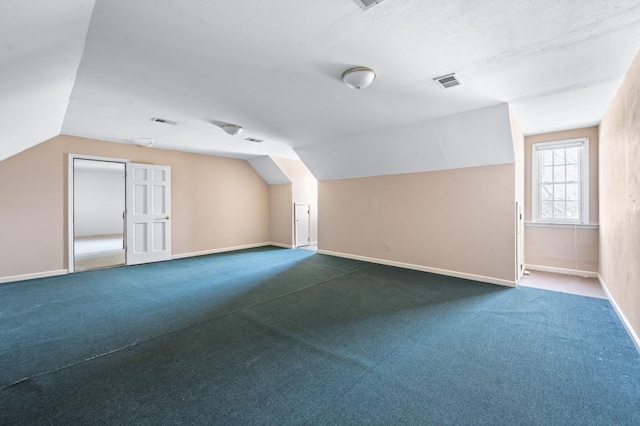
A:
(387, 247)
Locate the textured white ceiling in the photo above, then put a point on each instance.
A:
(269, 170)
(274, 67)
(436, 144)
(41, 43)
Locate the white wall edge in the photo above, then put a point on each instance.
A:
(289, 246)
(313, 243)
(218, 250)
(446, 272)
(33, 276)
(562, 271)
(634, 336)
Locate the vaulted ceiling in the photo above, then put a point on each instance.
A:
(102, 69)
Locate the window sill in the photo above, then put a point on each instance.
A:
(562, 225)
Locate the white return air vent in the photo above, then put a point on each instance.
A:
(447, 81)
(254, 140)
(164, 120)
(367, 4)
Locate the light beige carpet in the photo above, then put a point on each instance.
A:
(564, 283)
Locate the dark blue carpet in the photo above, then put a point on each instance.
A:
(272, 336)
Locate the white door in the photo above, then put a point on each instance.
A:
(303, 221)
(519, 242)
(148, 213)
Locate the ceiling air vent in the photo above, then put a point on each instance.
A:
(447, 81)
(164, 120)
(367, 4)
(254, 140)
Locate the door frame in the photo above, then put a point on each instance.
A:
(70, 199)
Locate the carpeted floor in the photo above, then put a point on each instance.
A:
(275, 336)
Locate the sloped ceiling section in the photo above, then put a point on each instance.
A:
(41, 45)
(269, 170)
(197, 63)
(475, 138)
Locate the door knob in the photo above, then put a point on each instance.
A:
(167, 218)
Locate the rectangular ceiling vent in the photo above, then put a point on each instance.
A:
(368, 4)
(164, 120)
(254, 140)
(447, 81)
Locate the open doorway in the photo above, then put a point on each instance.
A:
(98, 214)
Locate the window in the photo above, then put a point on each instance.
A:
(560, 181)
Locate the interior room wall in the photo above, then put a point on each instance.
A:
(568, 249)
(304, 187)
(518, 147)
(99, 201)
(217, 203)
(281, 214)
(458, 222)
(620, 198)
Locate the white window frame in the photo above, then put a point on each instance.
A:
(584, 176)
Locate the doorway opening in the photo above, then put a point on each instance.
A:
(97, 203)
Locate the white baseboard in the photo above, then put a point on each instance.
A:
(446, 272)
(562, 271)
(218, 250)
(33, 276)
(623, 318)
(289, 246)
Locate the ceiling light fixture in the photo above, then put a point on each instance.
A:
(146, 142)
(232, 129)
(358, 77)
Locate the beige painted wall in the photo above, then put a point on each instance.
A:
(281, 214)
(460, 220)
(304, 188)
(564, 248)
(216, 202)
(620, 197)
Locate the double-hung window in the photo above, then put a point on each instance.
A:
(560, 181)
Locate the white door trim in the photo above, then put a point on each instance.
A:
(70, 177)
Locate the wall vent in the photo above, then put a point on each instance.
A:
(254, 140)
(447, 81)
(367, 4)
(164, 120)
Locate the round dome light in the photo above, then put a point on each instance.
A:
(358, 77)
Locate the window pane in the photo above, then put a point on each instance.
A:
(572, 155)
(572, 191)
(558, 156)
(558, 181)
(572, 173)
